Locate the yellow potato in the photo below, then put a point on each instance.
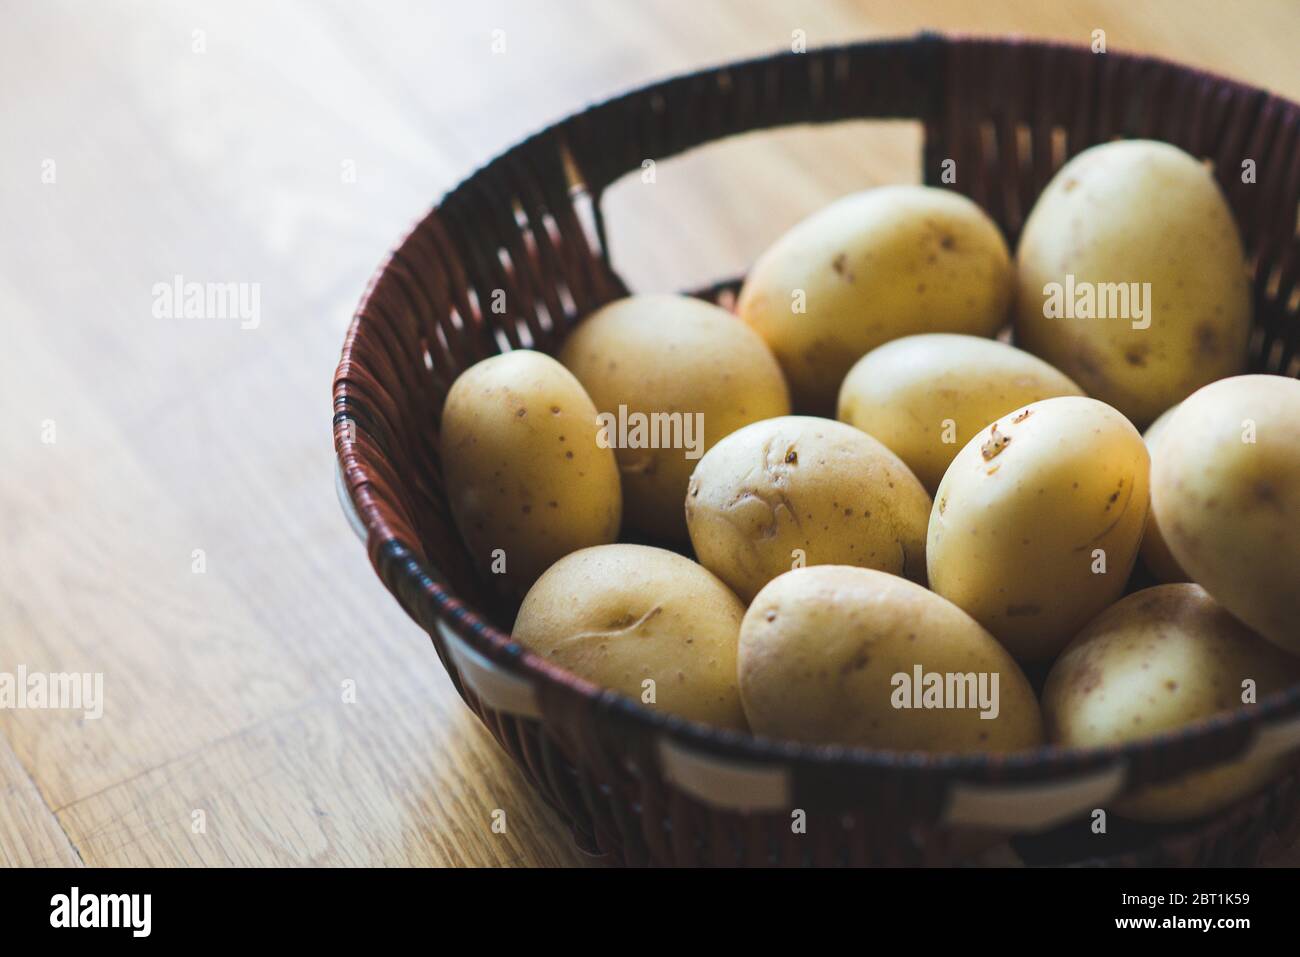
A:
(1158, 660)
(1036, 523)
(643, 621)
(798, 490)
(841, 655)
(1155, 551)
(872, 267)
(1225, 488)
(526, 480)
(678, 374)
(1142, 229)
(926, 396)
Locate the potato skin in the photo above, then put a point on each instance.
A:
(618, 615)
(808, 484)
(874, 266)
(1137, 211)
(1020, 512)
(902, 392)
(1155, 552)
(1159, 659)
(1230, 509)
(672, 354)
(819, 647)
(522, 467)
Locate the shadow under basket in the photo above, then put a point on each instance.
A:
(637, 786)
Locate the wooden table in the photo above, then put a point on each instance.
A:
(167, 508)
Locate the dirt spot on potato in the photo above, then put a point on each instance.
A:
(995, 444)
(859, 661)
(1267, 494)
(1090, 366)
(1207, 339)
(1089, 679)
(1023, 611)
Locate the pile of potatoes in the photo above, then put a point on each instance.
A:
(973, 509)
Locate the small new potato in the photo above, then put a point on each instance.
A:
(645, 622)
(681, 373)
(800, 490)
(1225, 488)
(868, 268)
(926, 396)
(832, 654)
(1132, 277)
(1155, 551)
(523, 470)
(1037, 522)
(1158, 660)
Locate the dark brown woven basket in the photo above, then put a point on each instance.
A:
(637, 786)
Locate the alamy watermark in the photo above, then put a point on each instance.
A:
(133, 912)
(53, 691)
(179, 299)
(1076, 299)
(931, 690)
(654, 430)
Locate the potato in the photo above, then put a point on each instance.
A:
(1037, 522)
(842, 655)
(679, 374)
(926, 396)
(523, 470)
(1155, 551)
(624, 615)
(800, 490)
(872, 267)
(1225, 487)
(1156, 661)
(1144, 222)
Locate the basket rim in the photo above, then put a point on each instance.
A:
(1037, 764)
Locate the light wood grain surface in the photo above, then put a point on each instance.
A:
(167, 512)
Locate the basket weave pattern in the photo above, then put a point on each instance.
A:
(1009, 113)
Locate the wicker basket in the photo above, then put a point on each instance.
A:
(637, 786)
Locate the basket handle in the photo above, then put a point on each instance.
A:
(876, 79)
